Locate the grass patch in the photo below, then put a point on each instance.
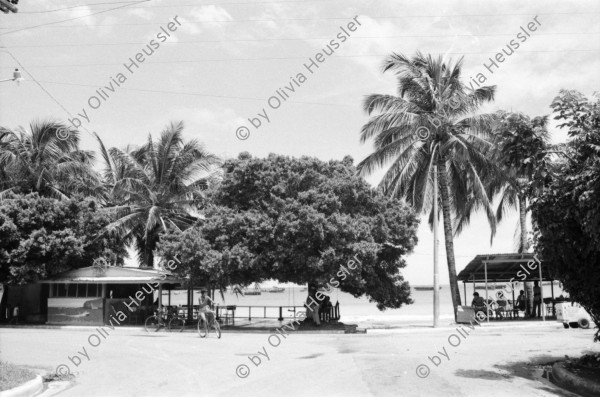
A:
(12, 375)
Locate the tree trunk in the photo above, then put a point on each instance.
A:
(445, 195)
(523, 222)
(524, 248)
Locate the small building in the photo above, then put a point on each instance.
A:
(501, 273)
(89, 296)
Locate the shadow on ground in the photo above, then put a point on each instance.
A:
(530, 370)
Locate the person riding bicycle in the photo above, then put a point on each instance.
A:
(204, 303)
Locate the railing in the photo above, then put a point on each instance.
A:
(332, 314)
(275, 312)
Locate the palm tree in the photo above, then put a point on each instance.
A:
(432, 123)
(521, 148)
(40, 161)
(155, 187)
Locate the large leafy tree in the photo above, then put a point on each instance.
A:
(299, 220)
(42, 236)
(219, 251)
(566, 216)
(156, 187)
(46, 159)
(432, 122)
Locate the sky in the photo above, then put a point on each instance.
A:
(223, 62)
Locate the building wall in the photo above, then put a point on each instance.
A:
(30, 299)
(83, 311)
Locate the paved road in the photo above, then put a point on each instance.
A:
(484, 362)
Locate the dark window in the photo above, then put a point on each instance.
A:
(62, 290)
(72, 290)
(93, 290)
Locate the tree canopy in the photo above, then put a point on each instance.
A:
(156, 186)
(43, 236)
(37, 160)
(566, 216)
(298, 220)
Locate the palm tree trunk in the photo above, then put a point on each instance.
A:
(524, 246)
(523, 221)
(445, 195)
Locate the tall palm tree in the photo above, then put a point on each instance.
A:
(521, 150)
(521, 146)
(156, 186)
(432, 122)
(39, 161)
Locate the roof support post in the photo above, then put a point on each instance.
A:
(160, 297)
(542, 305)
(487, 307)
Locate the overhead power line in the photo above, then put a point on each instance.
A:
(283, 19)
(197, 94)
(171, 5)
(297, 39)
(76, 6)
(38, 83)
(69, 19)
(305, 58)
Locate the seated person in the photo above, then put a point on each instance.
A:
(312, 307)
(326, 309)
(478, 302)
(521, 301)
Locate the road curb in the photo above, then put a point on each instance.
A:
(264, 330)
(566, 379)
(27, 389)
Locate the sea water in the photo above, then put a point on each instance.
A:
(351, 308)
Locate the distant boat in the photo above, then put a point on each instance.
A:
(303, 289)
(276, 289)
(255, 291)
(426, 288)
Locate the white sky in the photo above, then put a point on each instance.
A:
(220, 67)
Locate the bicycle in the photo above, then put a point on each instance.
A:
(165, 319)
(205, 326)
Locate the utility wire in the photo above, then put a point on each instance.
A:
(289, 19)
(42, 87)
(71, 7)
(196, 94)
(283, 58)
(70, 19)
(183, 5)
(296, 39)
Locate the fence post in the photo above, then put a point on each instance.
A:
(280, 313)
